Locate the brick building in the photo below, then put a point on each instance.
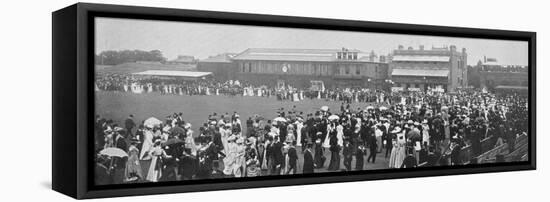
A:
(220, 65)
(494, 76)
(301, 67)
(436, 68)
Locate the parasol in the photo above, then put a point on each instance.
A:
(152, 122)
(177, 130)
(173, 141)
(382, 108)
(280, 119)
(324, 108)
(113, 152)
(333, 117)
(414, 135)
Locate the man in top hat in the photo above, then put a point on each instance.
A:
(409, 161)
(308, 160)
(373, 148)
(348, 154)
(129, 124)
(292, 156)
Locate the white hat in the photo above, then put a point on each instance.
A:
(396, 129)
(187, 125)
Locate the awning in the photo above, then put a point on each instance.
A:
(512, 87)
(420, 72)
(189, 74)
(420, 58)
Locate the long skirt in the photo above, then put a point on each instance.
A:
(334, 161)
(393, 155)
(400, 156)
(153, 174)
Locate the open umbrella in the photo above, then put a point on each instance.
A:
(324, 108)
(177, 130)
(414, 135)
(333, 117)
(173, 142)
(382, 108)
(113, 152)
(152, 122)
(369, 107)
(280, 119)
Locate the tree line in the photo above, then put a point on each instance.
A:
(113, 57)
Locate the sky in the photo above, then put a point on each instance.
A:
(202, 40)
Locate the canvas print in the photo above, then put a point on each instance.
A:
(187, 101)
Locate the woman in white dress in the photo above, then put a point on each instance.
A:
(340, 135)
(393, 154)
(155, 169)
(147, 144)
(299, 126)
(401, 149)
(230, 155)
(425, 133)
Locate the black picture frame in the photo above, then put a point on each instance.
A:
(73, 95)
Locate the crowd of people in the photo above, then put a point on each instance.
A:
(129, 84)
(409, 129)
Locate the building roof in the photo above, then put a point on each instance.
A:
(191, 74)
(420, 72)
(221, 58)
(184, 58)
(491, 63)
(316, 55)
(421, 58)
(512, 87)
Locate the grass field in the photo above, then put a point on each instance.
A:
(117, 106)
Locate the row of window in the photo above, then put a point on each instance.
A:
(305, 68)
(347, 55)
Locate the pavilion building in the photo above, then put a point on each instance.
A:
(421, 69)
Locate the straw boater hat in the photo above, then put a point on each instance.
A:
(187, 126)
(396, 129)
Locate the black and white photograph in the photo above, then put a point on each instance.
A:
(187, 101)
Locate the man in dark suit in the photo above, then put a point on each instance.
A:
(278, 157)
(455, 154)
(129, 124)
(308, 160)
(373, 145)
(292, 158)
(348, 154)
